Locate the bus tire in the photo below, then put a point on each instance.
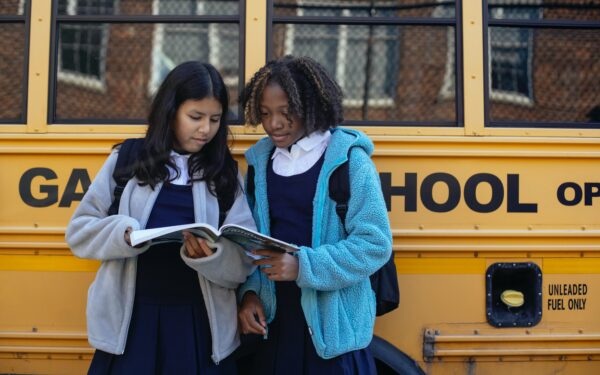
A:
(390, 360)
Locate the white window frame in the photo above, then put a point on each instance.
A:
(513, 97)
(341, 55)
(81, 79)
(158, 56)
(448, 89)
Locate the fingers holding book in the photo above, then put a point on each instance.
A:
(277, 266)
(196, 247)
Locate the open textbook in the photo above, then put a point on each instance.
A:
(248, 239)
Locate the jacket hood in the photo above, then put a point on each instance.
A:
(342, 140)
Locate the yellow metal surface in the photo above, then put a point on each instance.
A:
(39, 57)
(441, 257)
(472, 24)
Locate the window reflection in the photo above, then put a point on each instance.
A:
(12, 61)
(543, 74)
(109, 71)
(392, 73)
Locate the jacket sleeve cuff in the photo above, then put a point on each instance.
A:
(251, 285)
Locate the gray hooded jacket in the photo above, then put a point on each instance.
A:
(93, 234)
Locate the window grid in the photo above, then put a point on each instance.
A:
(510, 77)
(83, 59)
(379, 92)
(14, 69)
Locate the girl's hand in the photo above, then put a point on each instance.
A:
(127, 237)
(284, 267)
(251, 315)
(196, 247)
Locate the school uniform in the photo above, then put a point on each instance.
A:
(167, 313)
(293, 208)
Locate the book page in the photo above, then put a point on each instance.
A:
(251, 240)
(173, 233)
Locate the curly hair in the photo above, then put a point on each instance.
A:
(313, 96)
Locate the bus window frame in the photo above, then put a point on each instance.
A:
(24, 19)
(56, 19)
(455, 22)
(533, 24)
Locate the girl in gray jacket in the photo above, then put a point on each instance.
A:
(164, 309)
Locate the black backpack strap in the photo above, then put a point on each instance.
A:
(224, 204)
(384, 283)
(128, 152)
(250, 181)
(222, 211)
(339, 190)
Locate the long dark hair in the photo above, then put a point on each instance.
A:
(214, 162)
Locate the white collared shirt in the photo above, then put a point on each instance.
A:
(181, 161)
(302, 155)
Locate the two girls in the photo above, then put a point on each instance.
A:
(156, 309)
(316, 306)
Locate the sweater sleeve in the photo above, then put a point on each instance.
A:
(229, 265)
(92, 233)
(368, 244)
(252, 284)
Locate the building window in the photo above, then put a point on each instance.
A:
(213, 43)
(82, 47)
(511, 56)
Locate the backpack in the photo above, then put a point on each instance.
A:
(128, 153)
(384, 281)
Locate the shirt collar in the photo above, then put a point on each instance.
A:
(181, 161)
(306, 143)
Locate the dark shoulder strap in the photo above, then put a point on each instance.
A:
(339, 190)
(123, 169)
(222, 210)
(224, 203)
(250, 182)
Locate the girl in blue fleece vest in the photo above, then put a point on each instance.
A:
(315, 307)
(164, 308)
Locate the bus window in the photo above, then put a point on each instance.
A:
(110, 57)
(543, 64)
(395, 62)
(13, 66)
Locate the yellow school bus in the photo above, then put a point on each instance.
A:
(486, 121)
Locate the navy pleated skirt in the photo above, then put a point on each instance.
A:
(169, 332)
(289, 349)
